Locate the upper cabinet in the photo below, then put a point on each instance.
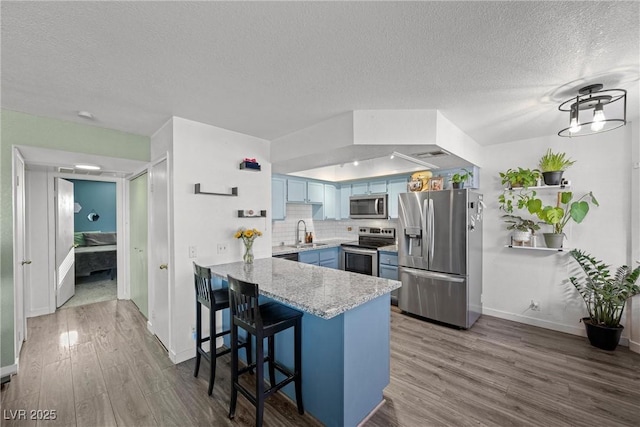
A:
(377, 187)
(296, 190)
(330, 198)
(359, 188)
(278, 198)
(345, 193)
(315, 192)
(395, 187)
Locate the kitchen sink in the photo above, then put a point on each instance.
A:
(306, 245)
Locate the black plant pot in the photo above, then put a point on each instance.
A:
(457, 185)
(602, 337)
(552, 178)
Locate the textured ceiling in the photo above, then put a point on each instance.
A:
(496, 69)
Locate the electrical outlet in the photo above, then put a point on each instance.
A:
(193, 333)
(535, 305)
(192, 252)
(222, 248)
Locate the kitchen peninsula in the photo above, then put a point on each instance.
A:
(345, 333)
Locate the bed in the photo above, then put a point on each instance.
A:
(96, 251)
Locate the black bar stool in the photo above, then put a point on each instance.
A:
(214, 300)
(262, 321)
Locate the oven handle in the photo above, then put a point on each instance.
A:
(360, 251)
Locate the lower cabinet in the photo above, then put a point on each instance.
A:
(388, 269)
(321, 257)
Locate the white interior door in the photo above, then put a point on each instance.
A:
(159, 251)
(65, 253)
(21, 264)
(138, 231)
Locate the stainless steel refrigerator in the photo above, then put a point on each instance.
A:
(440, 255)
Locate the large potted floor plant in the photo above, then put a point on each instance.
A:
(605, 295)
(553, 166)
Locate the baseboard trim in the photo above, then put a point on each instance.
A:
(9, 370)
(39, 312)
(634, 346)
(183, 355)
(573, 330)
(150, 327)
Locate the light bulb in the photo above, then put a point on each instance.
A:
(355, 163)
(392, 156)
(575, 126)
(598, 119)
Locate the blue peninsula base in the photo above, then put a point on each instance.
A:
(345, 361)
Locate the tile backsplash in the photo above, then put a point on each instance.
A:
(285, 231)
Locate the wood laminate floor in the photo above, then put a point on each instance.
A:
(97, 365)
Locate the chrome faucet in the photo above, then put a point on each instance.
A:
(298, 230)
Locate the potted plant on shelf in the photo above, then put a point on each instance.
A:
(523, 229)
(605, 296)
(553, 166)
(558, 216)
(458, 179)
(520, 178)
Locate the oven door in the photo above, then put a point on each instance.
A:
(357, 260)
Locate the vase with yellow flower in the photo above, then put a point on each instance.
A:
(248, 235)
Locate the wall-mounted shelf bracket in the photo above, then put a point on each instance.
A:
(244, 214)
(234, 192)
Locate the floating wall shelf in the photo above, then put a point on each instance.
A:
(248, 166)
(245, 214)
(234, 192)
(538, 248)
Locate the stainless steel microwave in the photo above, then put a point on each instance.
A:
(368, 206)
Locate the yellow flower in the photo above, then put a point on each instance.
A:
(238, 234)
(248, 234)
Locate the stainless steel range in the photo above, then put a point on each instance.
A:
(362, 256)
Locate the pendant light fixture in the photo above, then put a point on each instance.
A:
(587, 111)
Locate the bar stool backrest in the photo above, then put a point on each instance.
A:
(243, 301)
(202, 278)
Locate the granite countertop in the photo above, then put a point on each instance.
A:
(390, 248)
(321, 291)
(320, 244)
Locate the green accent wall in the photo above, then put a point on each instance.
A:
(25, 129)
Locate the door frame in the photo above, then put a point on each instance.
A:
(136, 174)
(153, 262)
(19, 280)
(122, 244)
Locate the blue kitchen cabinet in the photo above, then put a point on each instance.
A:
(330, 211)
(395, 187)
(376, 187)
(345, 193)
(359, 188)
(315, 192)
(309, 257)
(296, 190)
(388, 269)
(278, 198)
(329, 258)
(321, 257)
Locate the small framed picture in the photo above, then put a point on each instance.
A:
(436, 183)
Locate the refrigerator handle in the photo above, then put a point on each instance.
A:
(432, 230)
(426, 229)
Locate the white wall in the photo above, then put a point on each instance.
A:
(512, 278)
(38, 290)
(210, 156)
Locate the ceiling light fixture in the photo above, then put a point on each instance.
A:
(85, 115)
(355, 163)
(593, 97)
(88, 167)
(392, 156)
(414, 160)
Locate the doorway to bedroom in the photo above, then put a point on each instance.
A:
(94, 240)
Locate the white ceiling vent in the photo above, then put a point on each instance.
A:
(66, 170)
(436, 153)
